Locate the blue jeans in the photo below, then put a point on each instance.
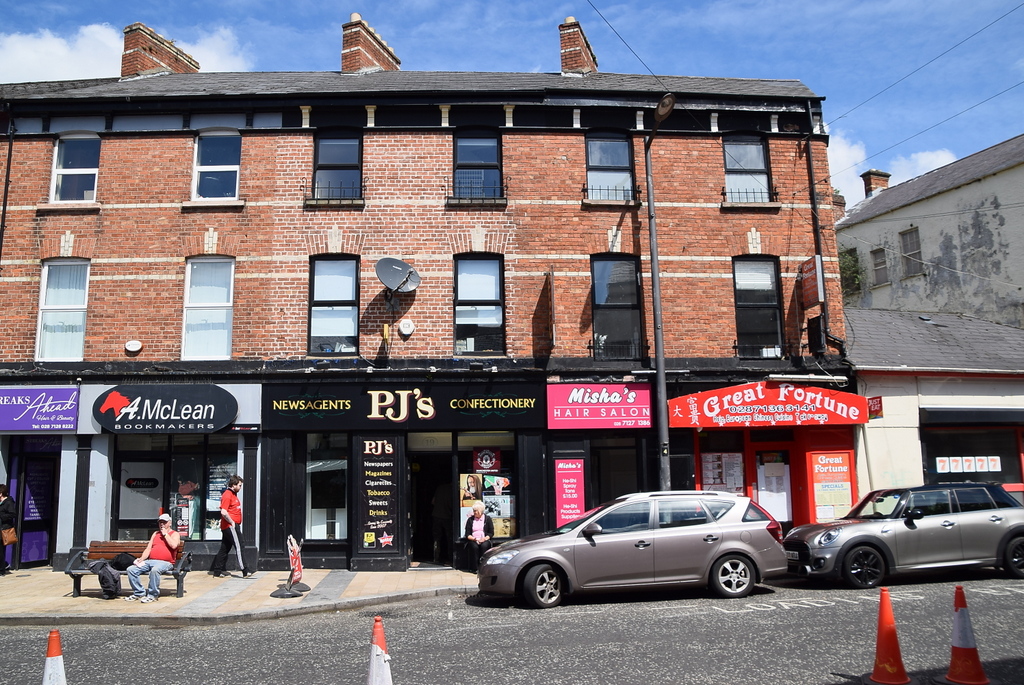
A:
(155, 567)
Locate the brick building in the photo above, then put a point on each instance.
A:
(378, 295)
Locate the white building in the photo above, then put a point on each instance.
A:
(951, 240)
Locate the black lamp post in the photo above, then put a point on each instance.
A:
(664, 108)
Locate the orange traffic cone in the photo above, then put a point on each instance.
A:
(380, 667)
(964, 664)
(888, 661)
(53, 671)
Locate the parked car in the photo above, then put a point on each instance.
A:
(644, 540)
(905, 529)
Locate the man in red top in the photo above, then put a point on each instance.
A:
(230, 518)
(156, 558)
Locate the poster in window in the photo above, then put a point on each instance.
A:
(504, 527)
(486, 460)
(499, 506)
(140, 489)
(496, 485)
(221, 468)
(471, 488)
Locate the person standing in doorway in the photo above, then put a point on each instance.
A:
(230, 527)
(8, 515)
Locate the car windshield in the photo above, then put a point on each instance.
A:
(877, 505)
(587, 515)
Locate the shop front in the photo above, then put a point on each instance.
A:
(35, 422)
(599, 439)
(381, 475)
(790, 447)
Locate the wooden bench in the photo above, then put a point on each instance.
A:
(78, 566)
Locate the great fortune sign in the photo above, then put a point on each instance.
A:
(767, 404)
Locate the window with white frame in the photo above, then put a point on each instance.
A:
(910, 246)
(338, 173)
(616, 303)
(76, 165)
(334, 305)
(479, 305)
(217, 165)
(609, 167)
(746, 170)
(879, 267)
(209, 294)
(758, 307)
(62, 307)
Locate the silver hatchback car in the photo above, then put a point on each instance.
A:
(644, 540)
(907, 529)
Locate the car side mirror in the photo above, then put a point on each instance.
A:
(592, 529)
(915, 514)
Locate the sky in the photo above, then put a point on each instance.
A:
(909, 85)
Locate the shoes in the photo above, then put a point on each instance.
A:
(132, 598)
(218, 574)
(246, 573)
(148, 598)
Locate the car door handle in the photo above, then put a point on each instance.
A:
(948, 524)
(710, 538)
(995, 519)
(641, 544)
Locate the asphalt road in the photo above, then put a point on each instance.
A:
(787, 632)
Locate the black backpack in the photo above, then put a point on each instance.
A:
(122, 561)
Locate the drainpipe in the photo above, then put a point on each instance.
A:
(838, 343)
(6, 114)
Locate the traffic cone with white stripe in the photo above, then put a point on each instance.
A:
(53, 671)
(964, 664)
(889, 668)
(380, 666)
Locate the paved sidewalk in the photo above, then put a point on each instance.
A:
(42, 597)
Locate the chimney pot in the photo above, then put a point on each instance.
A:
(577, 55)
(147, 52)
(875, 181)
(362, 48)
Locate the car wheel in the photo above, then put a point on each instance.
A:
(542, 587)
(863, 567)
(732, 577)
(1013, 558)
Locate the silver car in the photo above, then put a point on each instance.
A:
(645, 540)
(906, 529)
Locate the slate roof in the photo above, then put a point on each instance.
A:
(1005, 155)
(277, 84)
(884, 340)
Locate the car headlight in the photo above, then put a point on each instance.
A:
(501, 557)
(829, 536)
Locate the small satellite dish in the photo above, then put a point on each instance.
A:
(396, 275)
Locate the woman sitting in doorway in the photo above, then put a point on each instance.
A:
(479, 531)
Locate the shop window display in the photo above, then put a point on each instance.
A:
(326, 486)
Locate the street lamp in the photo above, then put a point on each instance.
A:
(662, 111)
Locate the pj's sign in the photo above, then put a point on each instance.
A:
(324, 406)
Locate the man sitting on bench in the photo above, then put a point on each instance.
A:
(156, 558)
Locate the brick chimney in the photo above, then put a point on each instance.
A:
(875, 181)
(147, 52)
(363, 50)
(577, 56)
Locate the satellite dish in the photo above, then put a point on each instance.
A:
(396, 275)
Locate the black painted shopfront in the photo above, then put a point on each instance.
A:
(379, 475)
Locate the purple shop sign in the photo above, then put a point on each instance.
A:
(31, 408)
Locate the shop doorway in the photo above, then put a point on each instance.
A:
(432, 500)
(33, 486)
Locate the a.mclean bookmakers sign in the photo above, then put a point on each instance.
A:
(165, 409)
(415, 406)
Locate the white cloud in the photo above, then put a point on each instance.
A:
(218, 51)
(904, 169)
(846, 162)
(94, 51)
